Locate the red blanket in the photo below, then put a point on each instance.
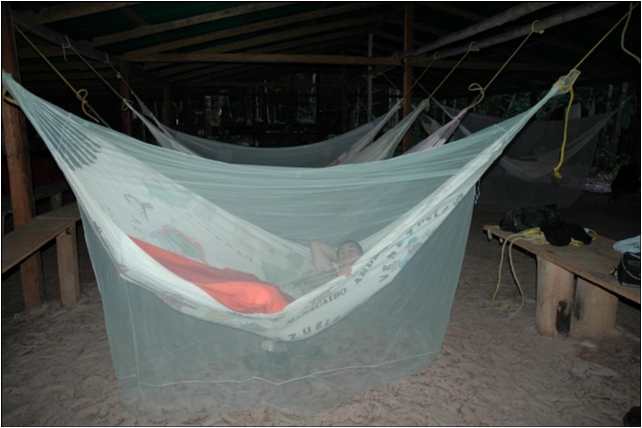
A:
(239, 291)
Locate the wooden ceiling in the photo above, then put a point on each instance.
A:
(192, 43)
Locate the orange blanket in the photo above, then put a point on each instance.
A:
(239, 291)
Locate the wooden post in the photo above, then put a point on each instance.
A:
(19, 165)
(594, 312)
(555, 288)
(407, 70)
(167, 106)
(125, 115)
(68, 278)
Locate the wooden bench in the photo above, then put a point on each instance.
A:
(59, 224)
(576, 292)
(53, 192)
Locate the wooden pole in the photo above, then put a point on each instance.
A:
(407, 70)
(19, 165)
(125, 115)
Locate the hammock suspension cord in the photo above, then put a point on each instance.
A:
(454, 67)
(556, 171)
(81, 94)
(626, 26)
(476, 87)
(88, 64)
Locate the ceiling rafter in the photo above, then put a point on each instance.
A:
(148, 30)
(280, 47)
(75, 10)
(247, 29)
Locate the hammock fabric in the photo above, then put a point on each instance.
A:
(522, 176)
(175, 344)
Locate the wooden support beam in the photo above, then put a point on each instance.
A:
(125, 115)
(509, 15)
(68, 275)
(14, 134)
(450, 9)
(585, 9)
(76, 10)
(268, 58)
(279, 47)
(148, 30)
(86, 50)
(247, 29)
(407, 70)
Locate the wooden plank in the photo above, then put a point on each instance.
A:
(14, 134)
(595, 311)
(68, 277)
(67, 212)
(593, 262)
(147, 30)
(76, 10)
(555, 290)
(28, 239)
(248, 29)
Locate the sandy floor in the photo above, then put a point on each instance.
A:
(494, 369)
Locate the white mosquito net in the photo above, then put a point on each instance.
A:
(220, 282)
(523, 174)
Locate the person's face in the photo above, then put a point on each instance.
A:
(348, 254)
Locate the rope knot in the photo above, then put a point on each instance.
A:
(476, 87)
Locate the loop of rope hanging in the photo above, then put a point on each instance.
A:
(626, 26)
(123, 105)
(568, 87)
(476, 87)
(81, 94)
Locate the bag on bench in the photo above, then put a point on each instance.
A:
(628, 270)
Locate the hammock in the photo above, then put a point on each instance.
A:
(522, 176)
(161, 226)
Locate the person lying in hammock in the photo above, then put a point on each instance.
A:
(339, 260)
(244, 292)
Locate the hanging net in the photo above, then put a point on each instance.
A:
(236, 286)
(523, 174)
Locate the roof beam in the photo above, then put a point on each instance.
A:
(267, 58)
(552, 21)
(272, 37)
(509, 15)
(247, 29)
(147, 30)
(75, 10)
(280, 47)
(448, 8)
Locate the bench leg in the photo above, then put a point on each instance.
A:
(66, 246)
(56, 201)
(555, 289)
(595, 311)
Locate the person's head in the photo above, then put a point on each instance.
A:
(348, 253)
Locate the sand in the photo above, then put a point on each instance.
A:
(494, 368)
